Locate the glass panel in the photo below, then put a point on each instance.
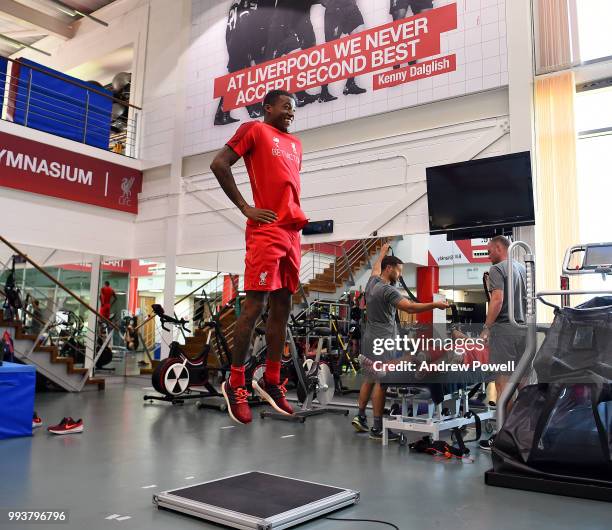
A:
(594, 109)
(594, 28)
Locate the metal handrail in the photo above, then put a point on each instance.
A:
(43, 90)
(199, 288)
(81, 85)
(44, 335)
(58, 283)
(355, 251)
(81, 119)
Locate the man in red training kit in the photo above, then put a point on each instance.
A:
(107, 299)
(273, 159)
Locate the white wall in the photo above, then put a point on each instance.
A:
(150, 27)
(42, 221)
(356, 172)
(351, 173)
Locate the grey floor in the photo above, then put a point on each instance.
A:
(128, 445)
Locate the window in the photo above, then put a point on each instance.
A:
(594, 18)
(594, 159)
(593, 109)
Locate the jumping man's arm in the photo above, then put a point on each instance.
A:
(222, 169)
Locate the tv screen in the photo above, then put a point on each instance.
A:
(490, 193)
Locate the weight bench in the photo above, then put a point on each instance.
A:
(452, 412)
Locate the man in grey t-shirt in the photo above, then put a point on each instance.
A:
(506, 342)
(382, 302)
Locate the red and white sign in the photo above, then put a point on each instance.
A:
(383, 47)
(359, 50)
(47, 170)
(443, 252)
(442, 65)
(132, 266)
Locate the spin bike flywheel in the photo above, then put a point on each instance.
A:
(325, 383)
(171, 378)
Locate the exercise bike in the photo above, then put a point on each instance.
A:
(177, 376)
(314, 381)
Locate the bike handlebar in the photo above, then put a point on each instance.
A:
(165, 319)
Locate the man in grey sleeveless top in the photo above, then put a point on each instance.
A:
(506, 342)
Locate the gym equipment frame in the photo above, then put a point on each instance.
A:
(596, 259)
(314, 379)
(434, 421)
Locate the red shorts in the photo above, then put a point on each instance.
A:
(273, 257)
(105, 310)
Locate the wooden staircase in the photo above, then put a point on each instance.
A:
(330, 280)
(50, 351)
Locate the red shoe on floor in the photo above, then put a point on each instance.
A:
(36, 421)
(237, 403)
(273, 394)
(66, 426)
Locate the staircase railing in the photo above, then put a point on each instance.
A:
(315, 262)
(361, 249)
(48, 314)
(82, 113)
(187, 315)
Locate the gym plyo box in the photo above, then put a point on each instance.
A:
(256, 500)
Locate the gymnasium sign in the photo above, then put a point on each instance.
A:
(343, 59)
(35, 167)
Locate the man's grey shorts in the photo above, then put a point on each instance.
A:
(506, 343)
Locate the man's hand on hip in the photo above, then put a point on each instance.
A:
(259, 215)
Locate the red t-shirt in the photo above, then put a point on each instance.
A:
(106, 293)
(273, 160)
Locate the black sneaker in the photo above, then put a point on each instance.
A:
(224, 118)
(304, 98)
(326, 97)
(360, 423)
(377, 434)
(352, 88)
(487, 445)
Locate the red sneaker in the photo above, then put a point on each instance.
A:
(274, 394)
(36, 421)
(237, 402)
(66, 426)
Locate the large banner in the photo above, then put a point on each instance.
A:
(343, 59)
(47, 170)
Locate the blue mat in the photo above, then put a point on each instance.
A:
(17, 386)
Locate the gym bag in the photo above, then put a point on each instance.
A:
(562, 426)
